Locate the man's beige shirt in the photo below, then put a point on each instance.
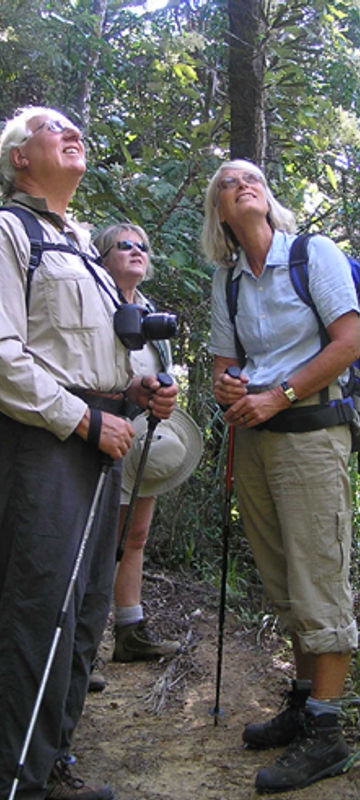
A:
(67, 339)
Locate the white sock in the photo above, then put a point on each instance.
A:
(128, 615)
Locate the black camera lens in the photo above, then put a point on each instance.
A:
(159, 326)
(134, 325)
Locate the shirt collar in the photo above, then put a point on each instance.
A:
(278, 253)
(65, 225)
(39, 205)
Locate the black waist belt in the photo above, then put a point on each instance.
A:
(308, 418)
(112, 403)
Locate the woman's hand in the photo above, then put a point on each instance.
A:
(228, 390)
(252, 409)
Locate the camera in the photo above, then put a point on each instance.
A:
(135, 325)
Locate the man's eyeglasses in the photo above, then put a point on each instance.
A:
(54, 126)
(126, 246)
(232, 182)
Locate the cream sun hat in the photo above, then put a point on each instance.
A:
(175, 451)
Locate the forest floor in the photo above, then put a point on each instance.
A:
(150, 733)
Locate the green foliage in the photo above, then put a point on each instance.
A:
(152, 93)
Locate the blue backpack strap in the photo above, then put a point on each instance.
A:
(36, 239)
(298, 266)
(299, 274)
(232, 291)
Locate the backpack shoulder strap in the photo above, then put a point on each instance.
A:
(299, 275)
(35, 235)
(298, 266)
(232, 293)
(34, 232)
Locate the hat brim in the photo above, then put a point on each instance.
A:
(181, 424)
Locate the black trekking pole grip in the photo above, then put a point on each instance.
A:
(165, 380)
(106, 461)
(235, 372)
(152, 421)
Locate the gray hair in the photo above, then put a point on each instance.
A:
(14, 134)
(106, 238)
(218, 242)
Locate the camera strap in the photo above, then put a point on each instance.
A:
(89, 266)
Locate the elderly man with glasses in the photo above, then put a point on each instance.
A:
(64, 374)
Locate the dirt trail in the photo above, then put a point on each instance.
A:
(150, 734)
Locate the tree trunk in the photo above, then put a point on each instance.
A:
(98, 9)
(246, 79)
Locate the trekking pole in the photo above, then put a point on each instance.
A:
(165, 380)
(106, 465)
(234, 372)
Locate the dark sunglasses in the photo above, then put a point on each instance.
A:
(126, 246)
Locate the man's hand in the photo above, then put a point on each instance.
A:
(147, 392)
(116, 434)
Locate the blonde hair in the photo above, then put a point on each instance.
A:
(14, 134)
(106, 238)
(218, 241)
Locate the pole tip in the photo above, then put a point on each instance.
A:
(216, 712)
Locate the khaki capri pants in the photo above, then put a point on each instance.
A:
(295, 499)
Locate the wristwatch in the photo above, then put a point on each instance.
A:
(289, 392)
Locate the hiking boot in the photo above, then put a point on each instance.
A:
(135, 642)
(283, 728)
(97, 681)
(63, 786)
(320, 752)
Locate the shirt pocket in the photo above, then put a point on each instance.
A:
(74, 303)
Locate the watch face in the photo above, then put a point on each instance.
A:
(289, 392)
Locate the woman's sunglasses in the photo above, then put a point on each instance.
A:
(126, 246)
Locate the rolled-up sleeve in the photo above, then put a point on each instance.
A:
(330, 281)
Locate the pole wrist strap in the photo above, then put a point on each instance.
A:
(93, 436)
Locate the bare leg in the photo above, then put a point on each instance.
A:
(127, 589)
(133, 637)
(304, 662)
(327, 671)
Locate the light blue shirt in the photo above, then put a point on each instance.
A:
(279, 332)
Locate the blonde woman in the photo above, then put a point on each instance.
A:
(291, 470)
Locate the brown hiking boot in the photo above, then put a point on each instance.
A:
(136, 642)
(63, 786)
(283, 728)
(319, 752)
